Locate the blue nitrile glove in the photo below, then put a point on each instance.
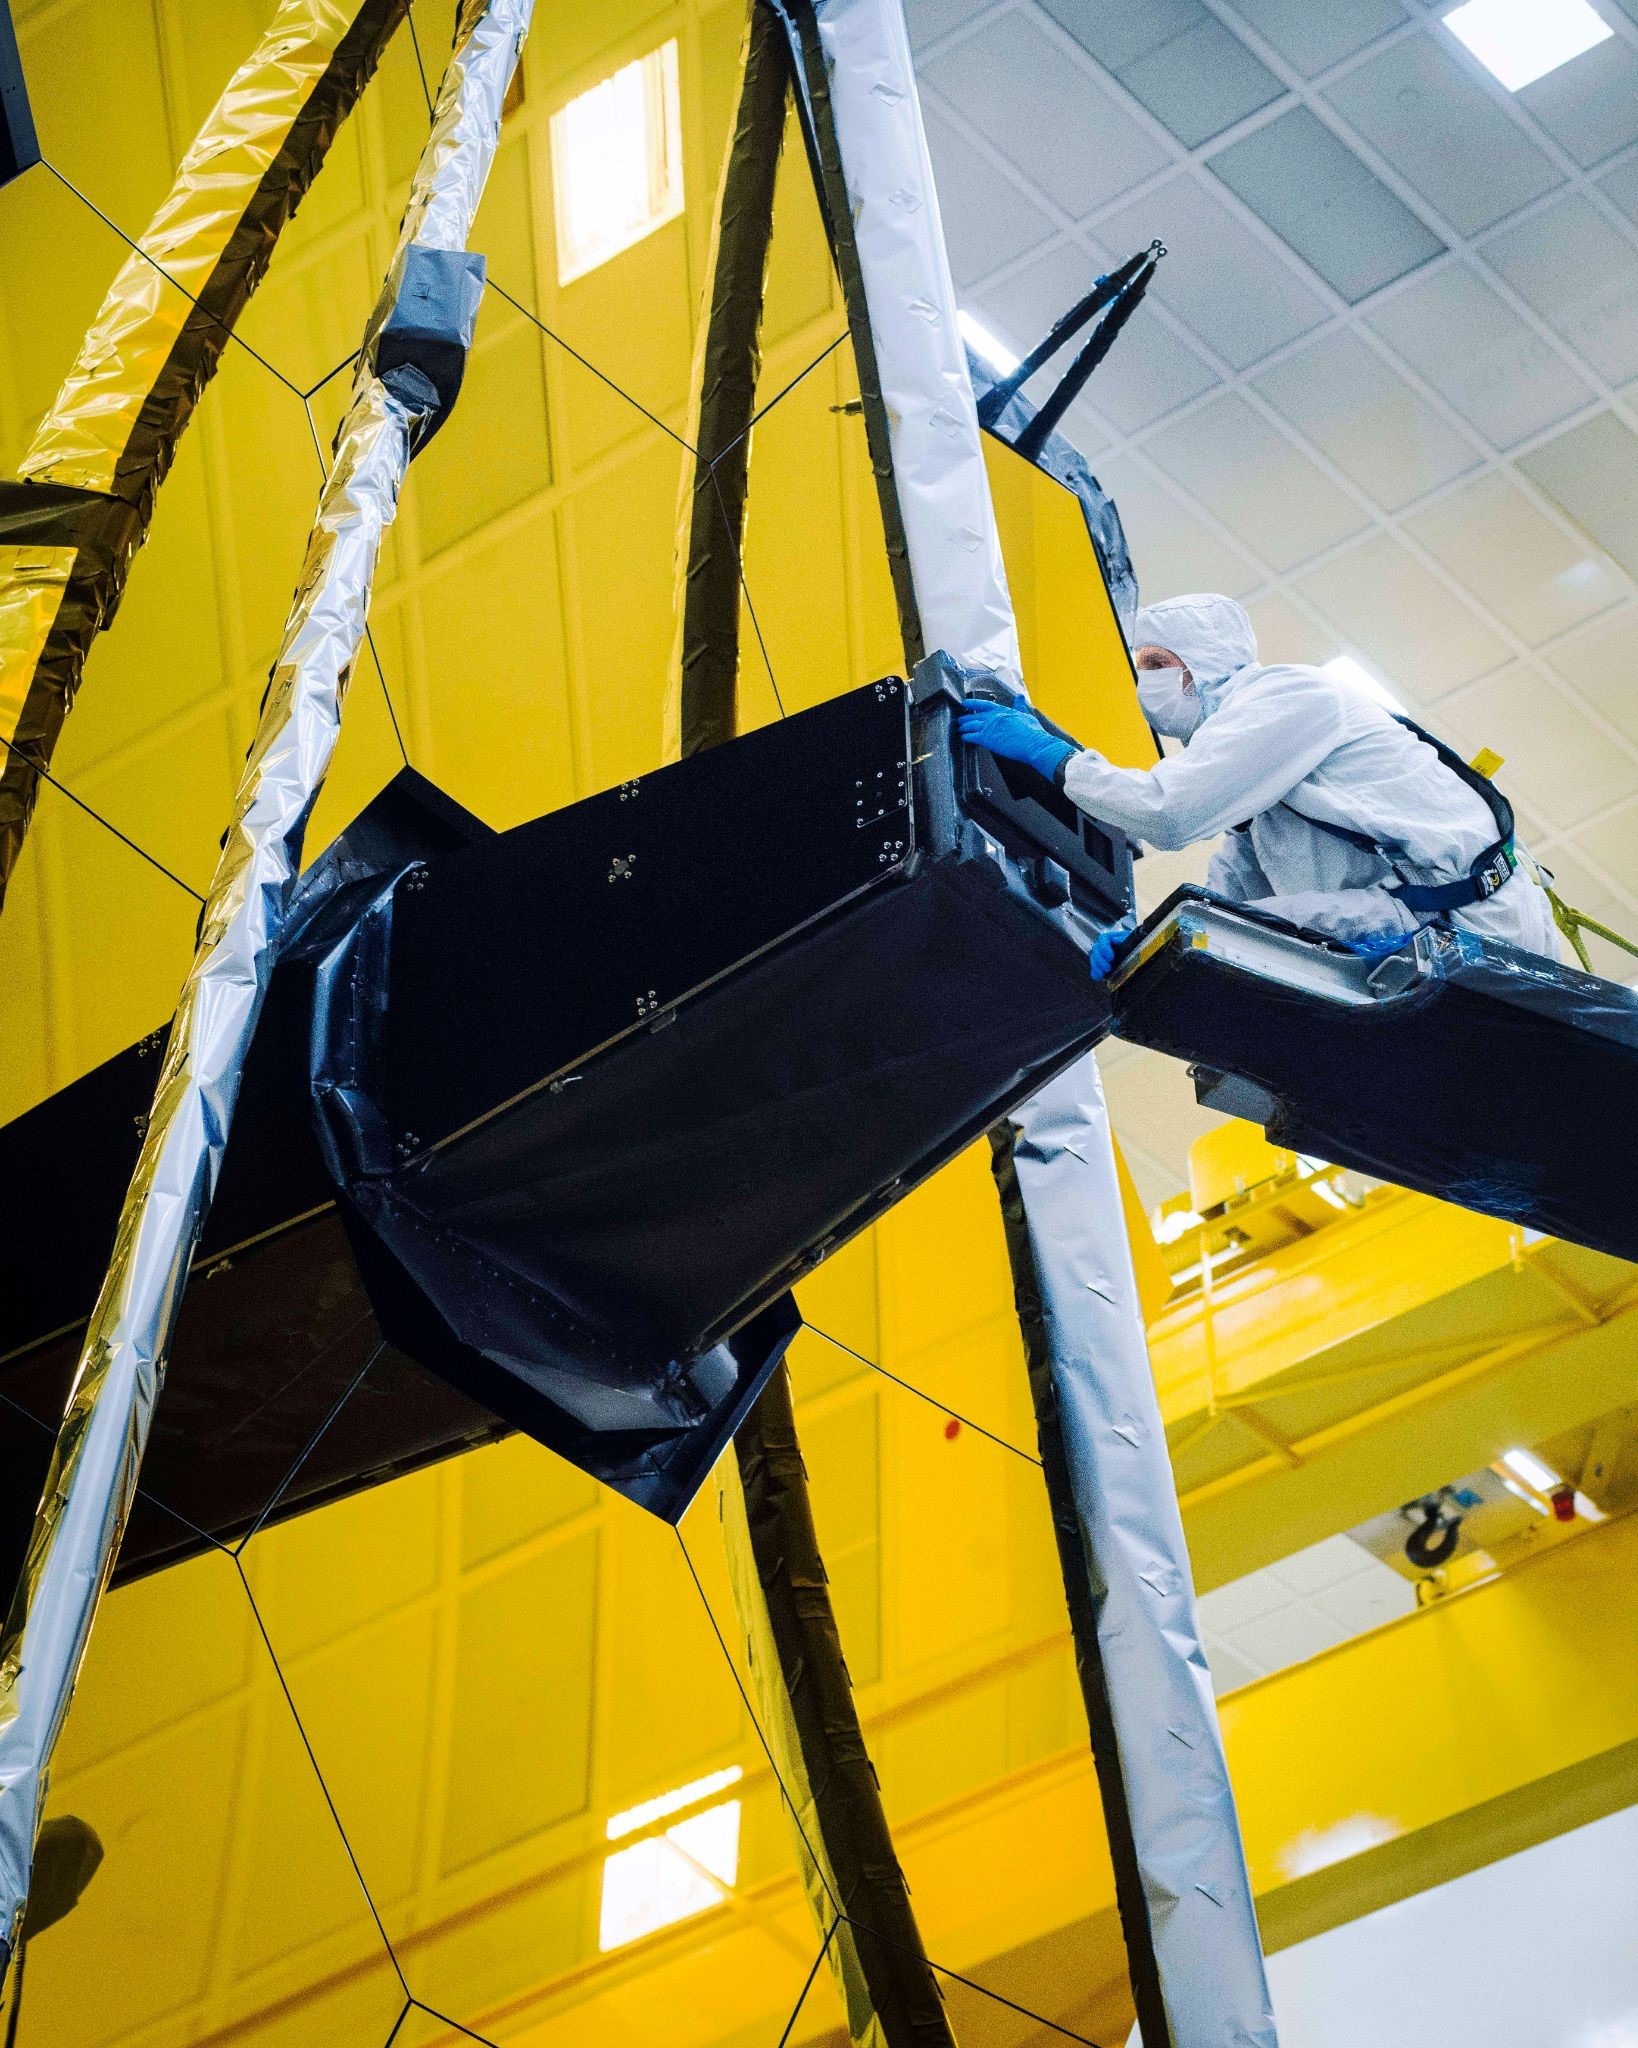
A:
(1378, 945)
(1106, 945)
(1014, 733)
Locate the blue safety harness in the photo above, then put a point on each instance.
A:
(1487, 874)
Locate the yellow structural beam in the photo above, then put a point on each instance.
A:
(1399, 1346)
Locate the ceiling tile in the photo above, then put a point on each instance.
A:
(1375, 1596)
(1476, 351)
(1157, 874)
(1515, 560)
(1172, 549)
(1590, 105)
(1242, 1600)
(1025, 305)
(1201, 83)
(1584, 890)
(1287, 1636)
(1402, 618)
(1315, 193)
(1580, 274)
(1621, 185)
(1287, 633)
(1367, 419)
(1149, 373)
(1218, 278)
(1153, 1097)
(1256, 482)
(1229, 1670)
(1322, 1565)
(1122, 32)
(1590, 471)
(1613, 843)
(1555, 756)
(1433, 121)
(1016, 88)
(931, 18)
(1313, 37)
(988, 220)
(1601, 662)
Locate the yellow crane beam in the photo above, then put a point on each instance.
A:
(1399, 1346)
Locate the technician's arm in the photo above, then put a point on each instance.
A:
(1245, 757)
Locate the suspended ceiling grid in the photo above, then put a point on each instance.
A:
(1385, 389)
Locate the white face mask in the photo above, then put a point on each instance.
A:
(1169, 708)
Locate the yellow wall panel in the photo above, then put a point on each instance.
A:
(514, 1490)
(522, 1687)
(492, 706)
(316, 1578)
(621, 529)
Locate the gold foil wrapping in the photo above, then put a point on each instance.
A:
(32, 583)
(113, 431)
(94, 1468)
(83, 436)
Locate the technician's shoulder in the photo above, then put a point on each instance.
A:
(1288, 690)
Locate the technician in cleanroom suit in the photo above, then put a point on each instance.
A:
(1335, 815)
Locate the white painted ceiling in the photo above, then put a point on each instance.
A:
(1385, 387)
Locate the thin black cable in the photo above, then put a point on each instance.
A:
(107, 824)
(216, 320)
(398, 2024)
(415, 45)
(444, 2020)
(330, 376)
(745, 590)
(807, 1982)
(841, 1913)
(955, 1415)
(311, 1445)
(586, 363)
(784, 392)
(324, 1789)
(972, 1984)
(369, 630)
(153, 1500)
(767, 1750)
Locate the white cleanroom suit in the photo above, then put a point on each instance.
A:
(1270, 747)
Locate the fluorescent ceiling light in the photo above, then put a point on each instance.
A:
(1527, 1466)
(1519, 41)
(617, 163)
(1347, 670)
(983, 343)
(666, 1878)
(651, 1810)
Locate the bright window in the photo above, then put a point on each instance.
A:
(617, 163)
(670, 1876)
(1520, 41)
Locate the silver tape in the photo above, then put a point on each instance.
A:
(1171, 1758)
(93, 1473)
(1202, 1924)
(938, 461)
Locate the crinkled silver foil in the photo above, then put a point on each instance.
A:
(94, 1468)
(1171, 1753)
(1202, 1921)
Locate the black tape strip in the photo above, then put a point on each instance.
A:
(1080, 1580)
(858, 1846)
(98, 575)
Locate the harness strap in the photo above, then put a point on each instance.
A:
(1487, 874)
